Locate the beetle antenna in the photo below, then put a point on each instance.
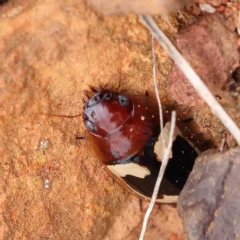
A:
(59, 115)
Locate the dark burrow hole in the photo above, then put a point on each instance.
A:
(234, 84)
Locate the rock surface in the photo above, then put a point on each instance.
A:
(118, 7)
(50, 185)
(210, 46)
(209, 202)
(210, 55)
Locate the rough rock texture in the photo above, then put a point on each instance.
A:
(50, 185)
(164, 222)
(209, 202)
(139, 7)
(209, 54)
(214, 2)
(51, 50)
(210, 46)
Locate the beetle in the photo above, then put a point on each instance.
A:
(121, 132)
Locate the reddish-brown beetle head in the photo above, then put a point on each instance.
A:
(105, 111)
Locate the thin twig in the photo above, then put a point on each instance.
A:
(191, 75)
(156, 90)
(159, 179)
(222, 144)
(160, 175)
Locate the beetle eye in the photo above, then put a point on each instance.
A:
(90, 126)
(123, 100)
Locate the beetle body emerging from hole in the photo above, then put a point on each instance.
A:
(121, 133)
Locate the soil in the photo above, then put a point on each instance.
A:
(50, 185)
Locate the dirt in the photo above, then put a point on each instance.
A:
(50, 185)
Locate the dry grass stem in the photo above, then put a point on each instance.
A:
(160, 176)
(156, 89)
